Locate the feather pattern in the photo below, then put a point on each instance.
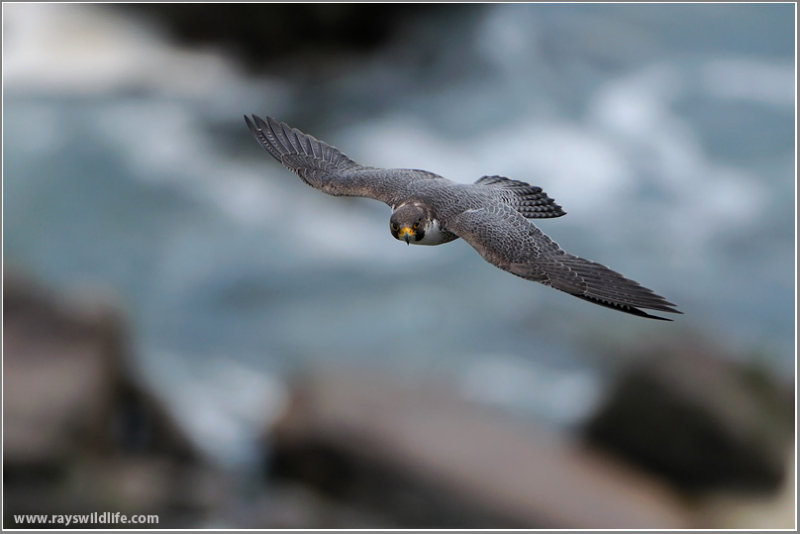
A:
(492, 215)
(505, 239)
(325, 168)
(529, 200)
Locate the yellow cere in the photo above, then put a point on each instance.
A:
(405, 230)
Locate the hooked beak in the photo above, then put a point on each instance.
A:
(406, 233)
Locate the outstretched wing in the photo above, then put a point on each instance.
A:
(506, 239)
(529, 200)
(325, 168)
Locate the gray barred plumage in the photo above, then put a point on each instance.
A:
(492, 215)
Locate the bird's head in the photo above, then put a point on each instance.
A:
(409, 223)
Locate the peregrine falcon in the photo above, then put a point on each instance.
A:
(493, 215)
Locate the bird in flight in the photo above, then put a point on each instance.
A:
(493, 215)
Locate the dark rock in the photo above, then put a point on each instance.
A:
(419, 457)
(81, 434)
(699, 419)
(265, 33)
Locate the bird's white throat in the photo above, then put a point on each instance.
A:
(433, 235)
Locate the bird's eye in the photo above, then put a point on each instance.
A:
(394, 226)
(416, 225)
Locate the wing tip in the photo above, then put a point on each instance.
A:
(657, 317)
(250, 125)
(635, 310)
(270, 135)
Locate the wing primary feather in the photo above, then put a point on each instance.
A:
(506, 239)
(530, 200)
(259, 130)
(625, 309)
(325, 168)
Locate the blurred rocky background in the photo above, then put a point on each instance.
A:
(184, 336)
